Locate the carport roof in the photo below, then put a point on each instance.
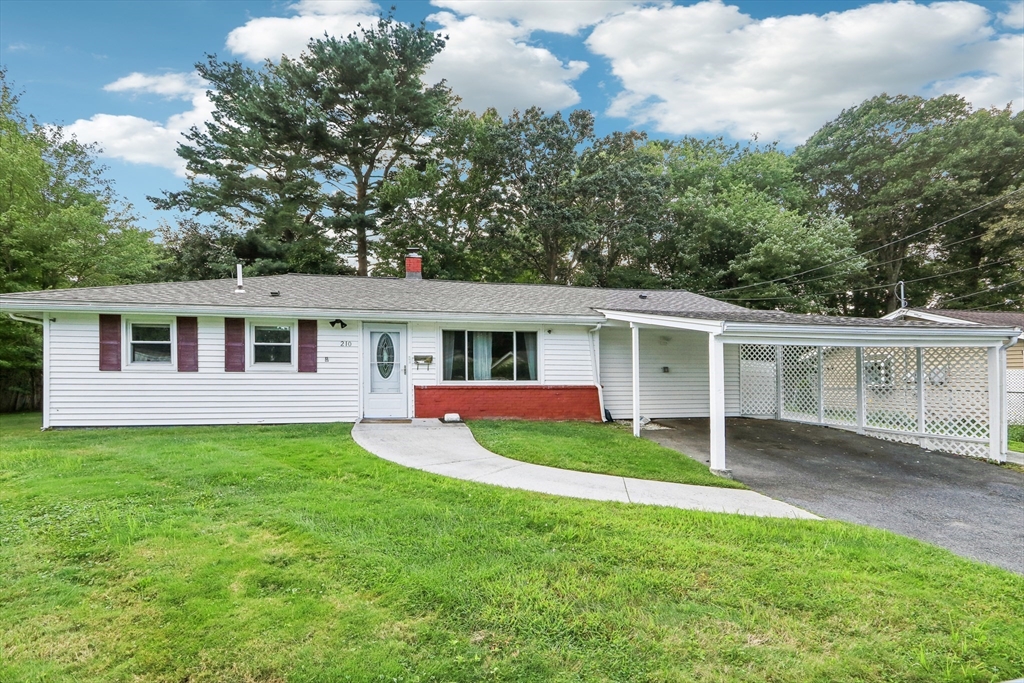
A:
(744, 315)
(778, 327)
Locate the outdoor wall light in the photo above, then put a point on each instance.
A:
(339, 322)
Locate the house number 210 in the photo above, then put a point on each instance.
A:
(347, 343)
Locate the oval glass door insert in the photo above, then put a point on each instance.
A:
(385, 355)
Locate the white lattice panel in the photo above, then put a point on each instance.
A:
(890, 388)
(973, 449)
(758, 383)
(1015, 397)
(800, 383)
(956, 392)
(898, 437)
(839, 385)
(952, 414)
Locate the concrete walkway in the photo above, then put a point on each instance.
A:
(450, 450)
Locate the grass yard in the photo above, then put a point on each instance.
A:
(1016, 438)
(590, 447)
(290, 554)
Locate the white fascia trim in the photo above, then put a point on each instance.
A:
(820, 335)
(825, 335)
(641, 319)
(930, 317)
(307, 313)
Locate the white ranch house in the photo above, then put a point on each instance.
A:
(306, 348)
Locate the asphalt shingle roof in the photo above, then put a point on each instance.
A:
(379, 294)
(401, 295)
(997, 318)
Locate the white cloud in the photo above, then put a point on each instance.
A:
(169, 85)
(1013, 17)
(139, 140)
(271, 37)
(490, 64)
(709, 68)
(566, 16)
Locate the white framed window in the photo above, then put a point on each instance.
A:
(273, 345)
(489, 356)
(150, 344)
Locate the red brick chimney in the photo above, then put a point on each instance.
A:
(413, 265)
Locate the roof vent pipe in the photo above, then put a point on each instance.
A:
(413, 265)
(239, 289)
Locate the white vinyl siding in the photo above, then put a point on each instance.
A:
(680, 392)
(423, 342)
(565, 355)
(81, 395)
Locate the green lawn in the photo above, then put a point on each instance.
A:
(589, 447)
(1016, 439)
(289, 554)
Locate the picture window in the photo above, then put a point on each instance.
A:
(471, 355)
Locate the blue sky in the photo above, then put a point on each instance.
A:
(121, 73)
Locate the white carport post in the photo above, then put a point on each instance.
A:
(716, 384)
(996, 396)
(635, 334)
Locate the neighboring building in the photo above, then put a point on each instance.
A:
(307, 348)
(1014, 378)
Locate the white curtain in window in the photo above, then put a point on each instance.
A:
(481, 355)
(531, 353)
(448, 341)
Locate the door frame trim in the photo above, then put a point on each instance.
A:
(401, 357)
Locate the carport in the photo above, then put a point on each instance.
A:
(934, 385)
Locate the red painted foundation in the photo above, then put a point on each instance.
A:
(525, 403)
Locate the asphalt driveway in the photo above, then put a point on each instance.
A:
(971, 507)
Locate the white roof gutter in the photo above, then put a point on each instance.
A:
(828, 335)
(695, 324)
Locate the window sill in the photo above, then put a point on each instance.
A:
(150, 367)
(272, 367)
(489, 383)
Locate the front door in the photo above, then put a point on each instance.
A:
(385, 372)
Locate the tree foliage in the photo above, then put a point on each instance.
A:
(453, 205)
(896, 166)
(741, 217)
(61, 225)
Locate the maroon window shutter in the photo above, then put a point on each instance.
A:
(188, 345)
(307, 346)
(234, 344)
(110, 342)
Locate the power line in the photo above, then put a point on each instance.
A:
(982, 291)
(998, 303)
(892, 284)
(869, 251)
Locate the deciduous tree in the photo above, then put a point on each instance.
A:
(61, 225)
